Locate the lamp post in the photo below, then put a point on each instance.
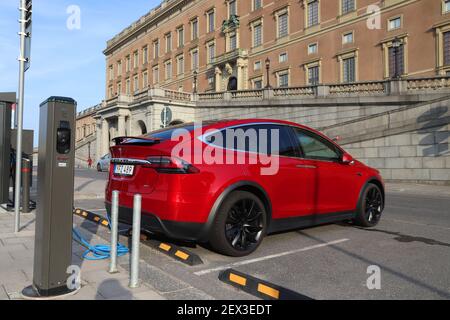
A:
(396, 44)
(195, 81)
(268, 86)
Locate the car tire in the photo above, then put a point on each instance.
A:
(370, 207)
(240, 225)
(99, 168)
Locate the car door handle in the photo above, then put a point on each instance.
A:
(306, 166)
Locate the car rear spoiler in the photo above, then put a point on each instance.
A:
(135, 140)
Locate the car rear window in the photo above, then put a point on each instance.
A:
(166, 134)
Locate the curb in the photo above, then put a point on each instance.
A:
(178, 253)
(92, 217)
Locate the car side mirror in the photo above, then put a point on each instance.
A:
(347, 159)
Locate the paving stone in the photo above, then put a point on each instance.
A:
(148, 295)
(188, 294)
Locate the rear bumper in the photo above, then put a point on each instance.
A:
(188, 231)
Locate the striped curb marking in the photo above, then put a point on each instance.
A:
(259, 288)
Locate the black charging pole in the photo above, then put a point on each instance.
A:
(54, 220)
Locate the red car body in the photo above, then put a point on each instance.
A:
(183, 205)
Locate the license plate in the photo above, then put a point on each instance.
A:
(123, 170)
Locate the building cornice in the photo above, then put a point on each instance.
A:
(155, 16)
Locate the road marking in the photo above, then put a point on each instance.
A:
(245, 262)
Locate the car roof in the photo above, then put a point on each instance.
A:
(235, 122)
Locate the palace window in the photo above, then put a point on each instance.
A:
(349, 70)
(313, 48)
(283, 57)
(136, 84)
(347, 6)
(312, 12)
(283, 23)
(155, 75)
(128, 87)
(111, 72)
(194, 29)
(257, 34)
(233, 42)
(232, 8)
(168, 69)
(446, 6)
(135, 59)
(145, 80)
(155, 49)
(283, 79)
(128, 65)
(119, 68)
(446, 47)
(194, 59)
(180, 65)
(211, 51)
(145, 55)
(347, 38)
(257, 83)
(211, 15)
(397, 61)
(180, 32)
(168, 42)
(395, 23)
(257, 66)
(312, 71)
(257, 4)
(119, 88)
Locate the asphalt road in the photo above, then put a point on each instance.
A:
(411, 246)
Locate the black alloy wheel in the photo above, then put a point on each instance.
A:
(374, 205)
(244, 225)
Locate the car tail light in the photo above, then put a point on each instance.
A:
(164, 164)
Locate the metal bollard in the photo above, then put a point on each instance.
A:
(136, 238)
(26, 169)
(114, 231)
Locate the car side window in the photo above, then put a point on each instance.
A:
(315, 147)
(258, 138)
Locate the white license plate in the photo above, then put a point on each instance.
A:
(123, 170)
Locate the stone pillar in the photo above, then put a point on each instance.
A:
(218, 79)
(99, 139)
(240, 77)
(322, 91)
(121, 126)
(105, 137)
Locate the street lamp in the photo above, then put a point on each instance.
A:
(195, 81)
(396, 44)
(268, 73)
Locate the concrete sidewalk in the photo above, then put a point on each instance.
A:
(16, 267)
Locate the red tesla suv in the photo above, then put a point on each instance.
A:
(232, 182)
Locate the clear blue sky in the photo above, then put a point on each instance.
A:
(64, 62)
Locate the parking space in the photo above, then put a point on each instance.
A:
(411, 247)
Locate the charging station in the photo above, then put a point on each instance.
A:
(6, 101)
(54, 220)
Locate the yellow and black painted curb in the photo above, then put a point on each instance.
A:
(259, 288)
(95, 218)
(176, 252)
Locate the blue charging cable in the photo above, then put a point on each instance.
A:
(98, 252)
